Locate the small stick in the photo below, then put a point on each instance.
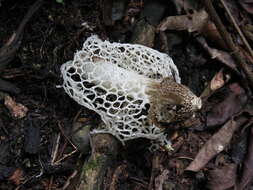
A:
(65, 156)
(68, 139)
(237, 28)
(55, 149)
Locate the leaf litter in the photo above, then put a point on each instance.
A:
(199, 144)
(216, 144)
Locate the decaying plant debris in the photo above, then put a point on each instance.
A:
(45, 139)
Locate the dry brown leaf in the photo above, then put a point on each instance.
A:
(219, 181)
(192, 22)
(209, 31)
(17, 176)
(234, 100)
(217, 81)
(247, 5)
(212, 35)
(219, 55)
(247, 174)
(213, 146)
(248, 31)
(17, 110)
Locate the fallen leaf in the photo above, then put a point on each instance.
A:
(219, 181)
(235, 10)
(247, 173)
(143, 34)
(213, 146)
(233, 102)
(217, 81)
(239, 147)
(222, 56)
(209, 31)
(247, 5)
(248, 31)
(213, 36)
(191, 22)
(17, 110)
(17, 176)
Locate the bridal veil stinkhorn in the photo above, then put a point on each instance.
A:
(132, 87)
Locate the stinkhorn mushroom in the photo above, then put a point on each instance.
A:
(132, 87)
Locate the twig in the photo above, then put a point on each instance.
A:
(70, 178)
(65, 156)
(229, 42)
(237, 28)
(68, 139)
(55, 149)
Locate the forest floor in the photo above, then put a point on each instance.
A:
(213, 150)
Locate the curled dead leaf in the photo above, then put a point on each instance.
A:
(222, 56)
(191, 22)
(247, 5)
(218, 81)
(219, 181)
(233, 101)
(17, 110)
(213, 146)
(17, 176)
(247, 173)
(212, 35)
